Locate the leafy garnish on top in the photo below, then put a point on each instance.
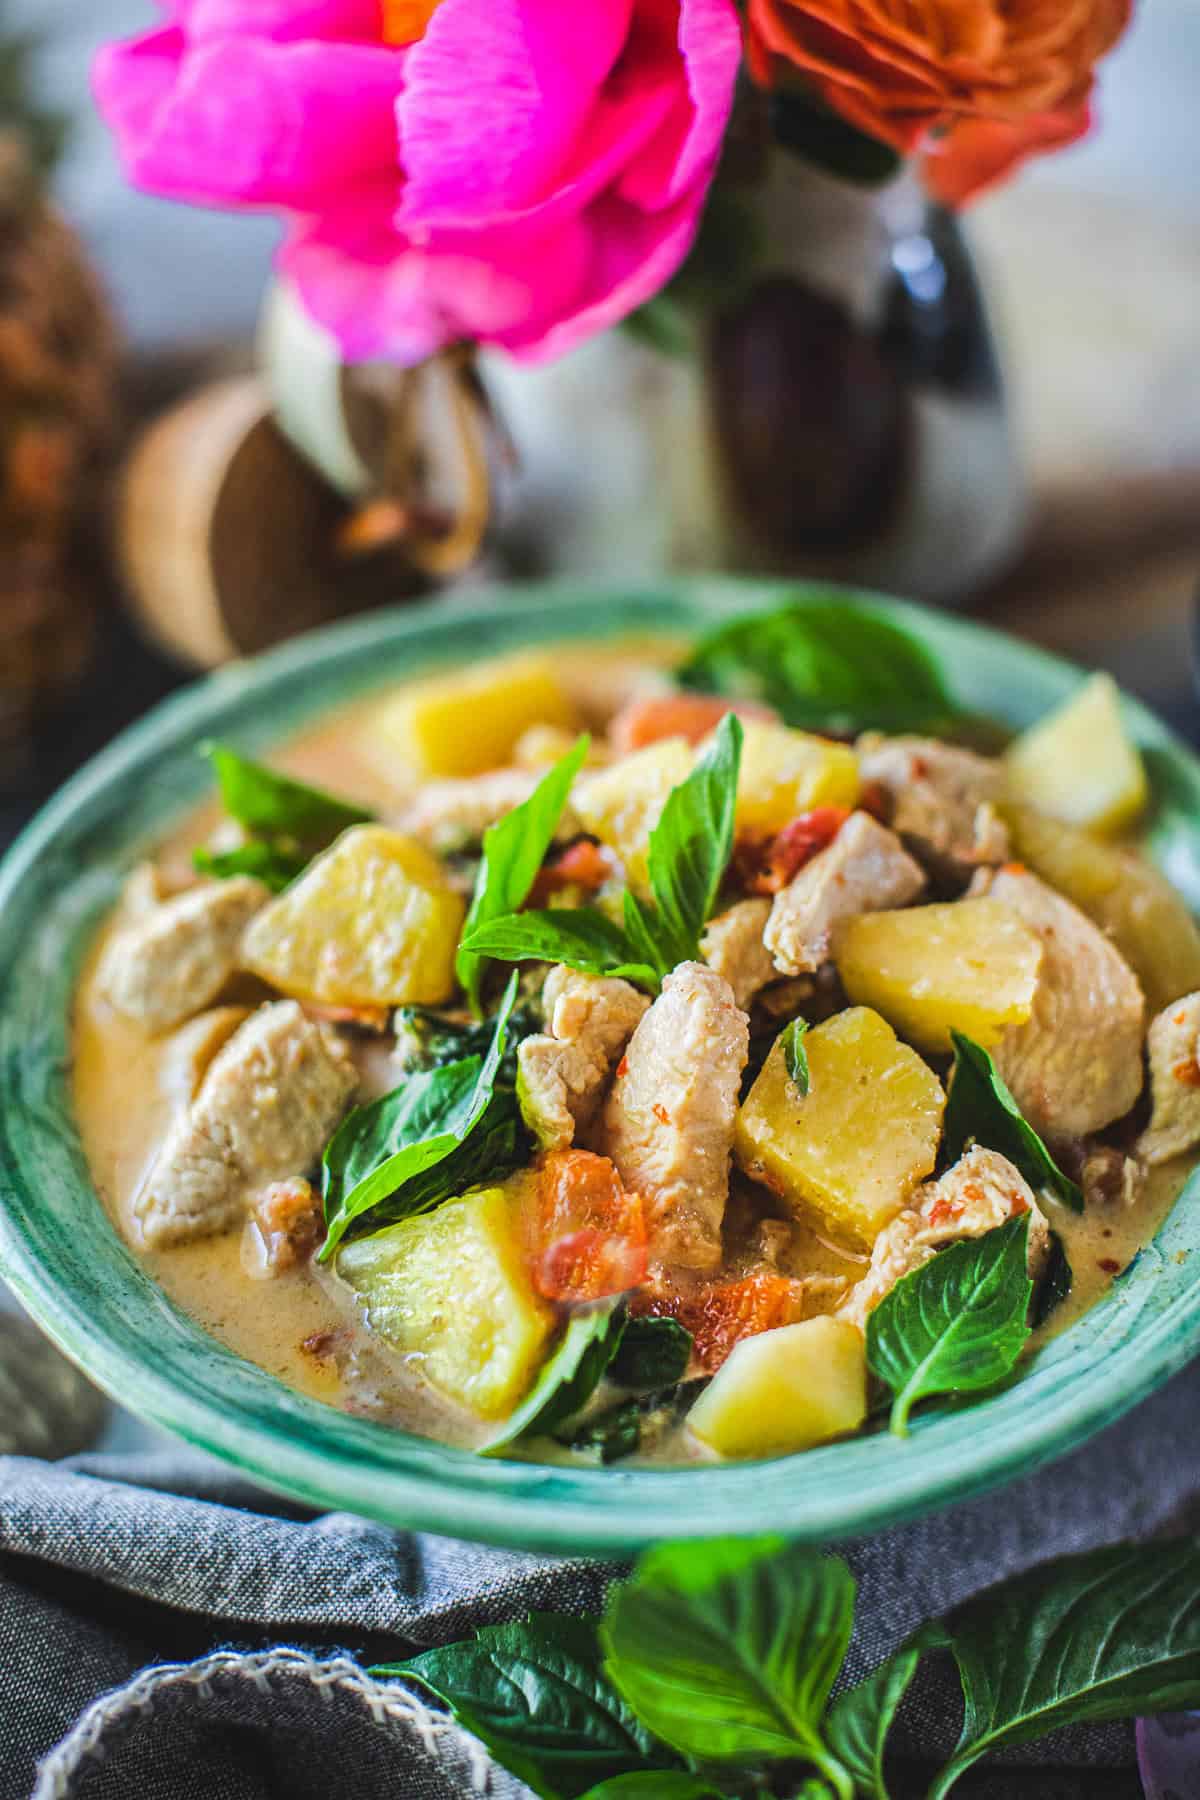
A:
(980, 1109)
(689, 850)
(288, 821)
(513, 852)
(388, 1149)
(825, 665)
(956, 1324)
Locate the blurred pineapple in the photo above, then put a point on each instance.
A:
(57, 364)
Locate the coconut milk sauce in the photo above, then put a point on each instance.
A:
(128, 1087)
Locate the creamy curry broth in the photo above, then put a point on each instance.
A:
(298, 1326)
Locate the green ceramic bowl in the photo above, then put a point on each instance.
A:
(87, 1289)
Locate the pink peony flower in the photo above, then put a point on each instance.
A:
(496, 170)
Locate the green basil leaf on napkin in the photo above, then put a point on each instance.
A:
(1089, 1638)
(272, 805)
(955, 1325)
(382, 1146)
(514, 850)
(570, 1377)
(659, 1784)
(825, 665)
(981, 1109)
(858, 1722)
(727, 1650)
(535, 1693)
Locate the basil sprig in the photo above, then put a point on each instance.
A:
(687, 855)
(408, 1148)
(829, 664)
(980, 1109)
(288, 822)
(599, 1341)
(513, 852)
(955, 1325)
(723, 1655)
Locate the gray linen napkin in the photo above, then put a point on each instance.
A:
(167, 1631)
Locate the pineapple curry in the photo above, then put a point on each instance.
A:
(662, 1051)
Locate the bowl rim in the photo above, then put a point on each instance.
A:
(547, 1507)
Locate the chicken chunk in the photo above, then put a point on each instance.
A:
(283, 1229)
(268, 1105)
(174, 959)
(562, 1073)
(448, 816)
(943, 799)
(668, 1122)
(865, 869)
(981, 1191)
(1173, 1045)
(1075, 1064)
(733, 948)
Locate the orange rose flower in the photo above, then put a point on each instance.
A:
(976, 85)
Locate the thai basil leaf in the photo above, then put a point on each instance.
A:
(499, 1145)
(617, 1432)
(659, 1784)
(1054, 1285)
(582, 937)
(273, 805)
(427, 1039)
(570, 1377)
(688, 852)
(535, 1693)
(513, 852)
(380, 1147)
(275, 864)
(955, 1325)
(795, 1055)
(1086, 1639)
(727, 1650)
(858, 1722)
(652, 1353)
(690, 847)
(825, 665)
(980, 1107)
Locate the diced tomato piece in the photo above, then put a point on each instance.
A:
(720, 1314)
(589, 1239)
(765, 865)
(690, 716)
(582, 865)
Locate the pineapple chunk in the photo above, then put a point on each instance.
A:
(621, 805)
(471, 721)
(785, 1390)
(1079, 764)
(850, 1151)
(785, 773)
(373, 922)
(1126, 896)
(970, 966)
(450, 1290)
